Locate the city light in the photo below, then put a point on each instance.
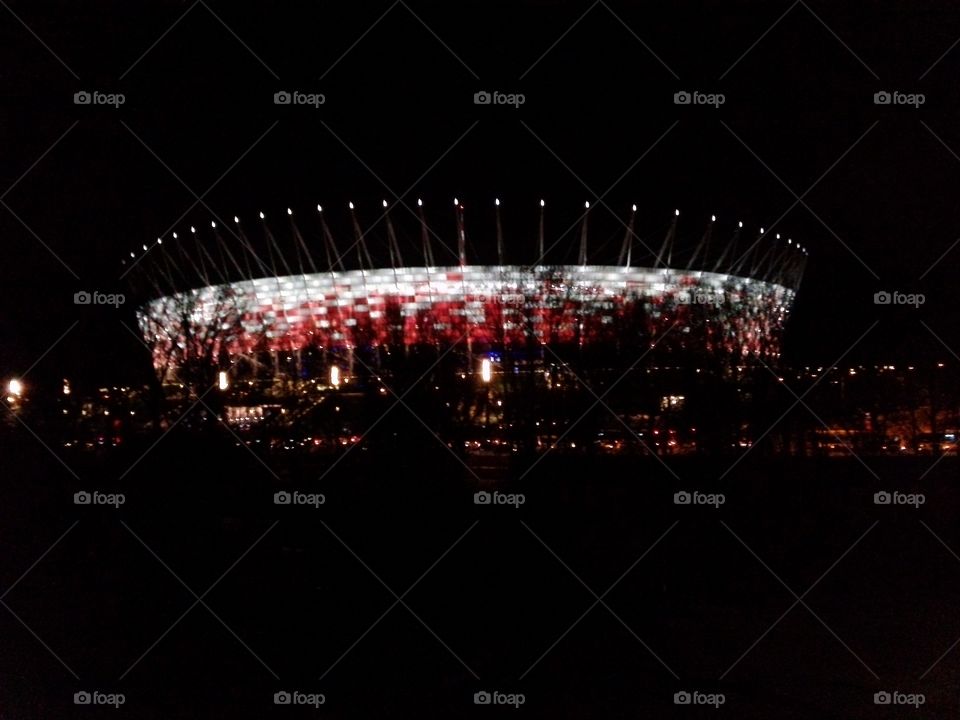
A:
(334, 376)
(486, 370)
(222, 381)
(15, 388)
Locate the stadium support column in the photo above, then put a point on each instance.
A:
(425, 236)
(333, 257)
(703, 245)
(461, 233)
(540, 249)
(747, 255)
(583, 235)
(730, 250)
(499, 233)
(360, 242)
(667, 246)
(627, 247)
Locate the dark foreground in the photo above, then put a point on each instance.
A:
(399, 596)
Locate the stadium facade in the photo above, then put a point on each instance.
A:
(734, 306)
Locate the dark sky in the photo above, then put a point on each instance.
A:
(878, 183)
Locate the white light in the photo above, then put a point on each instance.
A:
(289, 211)
(384, 203)
(350, 205)
(456, 202)
(740, 224)
(486, 370)
(262, 215)
(497, 202)
(778, 236)
(144, 248)
(761, 231)
(222, 382)
(319, 209)
(676, 213)
(236, 219)
(133, 255)
(542, 203)
(634, 208)
(713, 218)
(174, 236)
(193, 229)
(159, 241)
(419, 202)
(789, 241)
(587, 205)
(15, 388)
(334, 376)
(66, 387)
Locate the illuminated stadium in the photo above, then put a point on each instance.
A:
(254, 302)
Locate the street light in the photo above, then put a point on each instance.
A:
(222, 381)
(486, 370)
(15, 388)
(334, 376)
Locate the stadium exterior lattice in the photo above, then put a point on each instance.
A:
(728, 301)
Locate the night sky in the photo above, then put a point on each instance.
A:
(878, 183)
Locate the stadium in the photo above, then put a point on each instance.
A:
(494, 352)
(730, 303)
